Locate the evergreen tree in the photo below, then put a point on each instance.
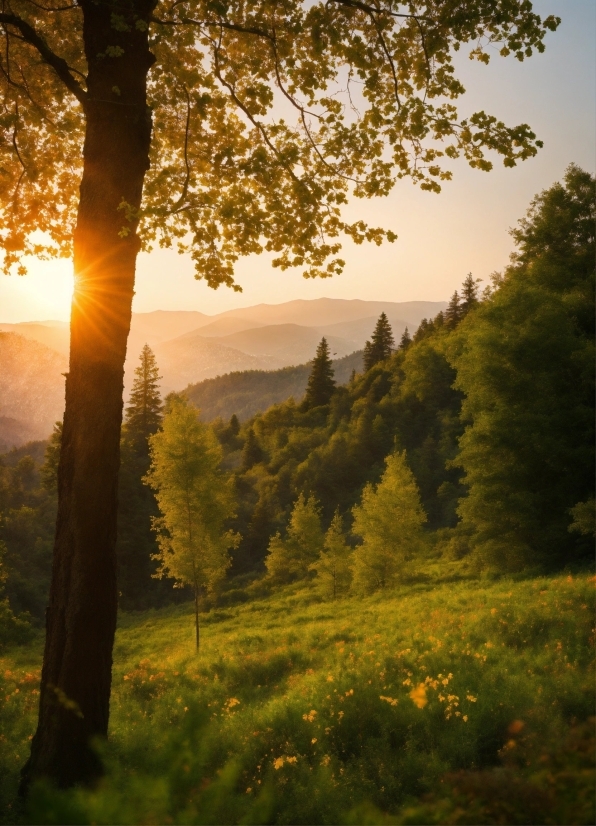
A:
(405, 340)
(381, 345)
(290, 558)
(49, 469)
(252, 453)
(469, 294)
(195, 501)
(389, 519)
(234, 425)
(333, 567)
(453, 313)
(321, 383)
(526, 367)
(143, 414)
(136, 543)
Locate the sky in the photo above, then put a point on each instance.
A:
(440, 237)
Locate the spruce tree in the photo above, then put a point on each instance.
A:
(469, 294)
(405, 340)
(143, 414)
(321, 383)
(453, 313)
(136, 543)
(381, 345)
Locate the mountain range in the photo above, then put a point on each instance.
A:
(190, 347)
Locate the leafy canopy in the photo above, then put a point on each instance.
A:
(266, 117)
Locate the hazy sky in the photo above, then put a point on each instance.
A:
(441, 237)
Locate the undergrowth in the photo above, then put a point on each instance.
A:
(466, 701)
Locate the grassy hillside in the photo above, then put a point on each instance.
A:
(449, 700)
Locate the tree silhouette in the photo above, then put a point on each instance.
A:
(321, 383)
(381, 345)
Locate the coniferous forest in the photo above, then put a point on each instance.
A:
(369, 604)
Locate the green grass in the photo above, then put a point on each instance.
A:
(437, 702)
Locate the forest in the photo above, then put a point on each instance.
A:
(477, 430)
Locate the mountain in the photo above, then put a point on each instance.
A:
(253, 391)
(31, 389)
(183, 361)
(190, 347)
(53, 334)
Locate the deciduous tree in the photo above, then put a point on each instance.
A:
(138, 121)
(195, 502)
(333, 567)
(389, 520)
(290, 558)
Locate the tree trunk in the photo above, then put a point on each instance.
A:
(81, 617)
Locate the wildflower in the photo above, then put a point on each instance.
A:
(314, 740)
(278, 763)
(471, 698)
(418, 695)
(329, 678)
(465, 718)
(350, 692)
(326, 760)
(389, 700)
(310, 716)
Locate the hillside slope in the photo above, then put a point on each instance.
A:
(253, 391)
(31, 389)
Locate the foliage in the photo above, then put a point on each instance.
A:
(381, 345)
(228, 175)
(389, 521)
(334, 565)
(301, 713)
(292, 557)
(524, 362)
(321, 384)
(194, 499)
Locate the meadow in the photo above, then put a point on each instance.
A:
(451, 699)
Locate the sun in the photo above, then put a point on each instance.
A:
(44, 294)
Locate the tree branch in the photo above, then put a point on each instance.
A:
(58, 64)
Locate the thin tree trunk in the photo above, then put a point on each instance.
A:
(81, 617)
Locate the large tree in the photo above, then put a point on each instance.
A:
(220, 128)
(321, 383)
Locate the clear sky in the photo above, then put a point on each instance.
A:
(441, 237)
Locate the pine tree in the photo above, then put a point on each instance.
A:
(381, 345)
(136, 542)
(333, 567)
(405, 340)
(234, 425)
(469, 294)
(290, 558)
(143, 414)
(453, 313)
(321, 383)
(195, 502)
(389, 519)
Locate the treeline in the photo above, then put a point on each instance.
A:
(485, 414)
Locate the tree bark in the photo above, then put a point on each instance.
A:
(81, 616)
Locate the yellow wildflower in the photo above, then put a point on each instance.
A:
(418, 695)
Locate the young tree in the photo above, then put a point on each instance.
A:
(290, 558)
(381, 345)
(333, 567)
(194, 500)
(137, 119)
(389, 519)
(321, 383)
